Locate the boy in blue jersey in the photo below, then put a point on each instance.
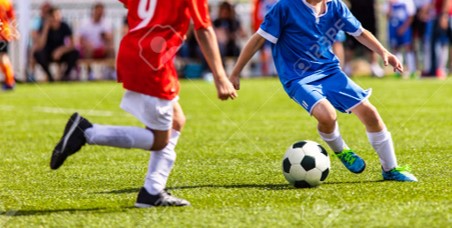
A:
(301, 33)
(400, 18)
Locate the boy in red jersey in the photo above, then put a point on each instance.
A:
(7, 33)
(145, 68)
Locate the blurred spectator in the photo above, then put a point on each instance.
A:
(228, 29)
(441, 37)
(400, 15)
(260, 9)
(96, 35)
(36, 24)
(365, 12)
(56, 44)
(422, 29)
(7, 33)
(96, 39)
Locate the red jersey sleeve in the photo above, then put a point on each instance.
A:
(199, 12)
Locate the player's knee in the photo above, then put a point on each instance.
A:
(327, 119)
(179, 122)
(325, 113)
(370, 112)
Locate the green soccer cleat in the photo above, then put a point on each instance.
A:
(351, 161)
(399, 174)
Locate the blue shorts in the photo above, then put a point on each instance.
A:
(338, 89)
(396, 40)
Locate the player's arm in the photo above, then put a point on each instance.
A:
(367, 39)
(209, 47)
(251, 47)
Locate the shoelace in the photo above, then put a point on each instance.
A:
(347, 156)
(167, 199)
(405, 168)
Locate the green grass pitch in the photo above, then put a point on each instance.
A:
(229, 160)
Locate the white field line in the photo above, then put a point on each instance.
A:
(54, 110)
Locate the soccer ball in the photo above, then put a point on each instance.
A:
(306, 164)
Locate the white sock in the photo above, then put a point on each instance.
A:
(382, 143)
(399, 55)
(334, 140)
(160, 165)
(411, 61)
(442, 53)
(120, 136)
(426, 56)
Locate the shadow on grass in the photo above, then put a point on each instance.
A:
(256, 186)
(135, 190)
(63, 210)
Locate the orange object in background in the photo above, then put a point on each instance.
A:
(7, 31)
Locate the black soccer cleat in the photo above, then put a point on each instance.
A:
(72, 140)
(163, 199)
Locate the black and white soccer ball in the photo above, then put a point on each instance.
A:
(306, 164)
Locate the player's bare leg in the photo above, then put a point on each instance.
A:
(160, 164)
(381, 141)
(328, 129)
(326, 116)
(161, 139)
(7, 70)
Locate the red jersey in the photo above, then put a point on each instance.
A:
(439, 7)
(157, 29)
(7, 31)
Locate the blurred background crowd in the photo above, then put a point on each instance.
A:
(66, 40)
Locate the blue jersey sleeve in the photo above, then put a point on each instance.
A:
(271, 27)
(350, 24)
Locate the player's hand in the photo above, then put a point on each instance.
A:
(235, 80)
(391, 59)
(225, 89)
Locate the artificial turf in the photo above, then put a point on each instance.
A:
(229, 160)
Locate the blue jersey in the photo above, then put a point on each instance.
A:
(302, 41)
(399, 12)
